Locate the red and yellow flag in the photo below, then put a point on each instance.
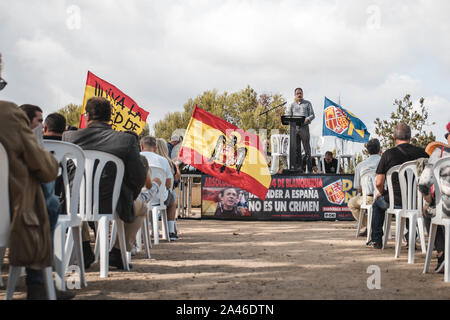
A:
(226, 152)
(125, 113)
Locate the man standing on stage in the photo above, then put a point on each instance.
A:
(302, 108)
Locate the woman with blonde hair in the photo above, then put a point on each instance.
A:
(162, 150)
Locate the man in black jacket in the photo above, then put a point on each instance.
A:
(100, 136)
(401, 153)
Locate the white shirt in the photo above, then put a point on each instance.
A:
(368, 164)
(157, 161)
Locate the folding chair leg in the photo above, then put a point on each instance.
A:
(13, 278)
(420, 229)
(155, 226)
(361, 218)
(399, 226)
(446, 255)
(139, 240)
(113, 234)
(2, 255)
(431, 238)
(122, 245)
(387, 229)
(103, 246)
(412, 239)
(78, 246)
(68, 250)
(48, 279)
(165, 225)
(369, 224)
(59, 246)
(147, 241)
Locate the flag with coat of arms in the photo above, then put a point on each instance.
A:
(343, 124)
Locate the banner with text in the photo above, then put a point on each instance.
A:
(309, 197)
(126, 115)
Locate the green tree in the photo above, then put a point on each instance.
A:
(242, 109)
(72, 113)
(416, 118)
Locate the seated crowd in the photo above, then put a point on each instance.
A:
(403, 152)
(37, 193)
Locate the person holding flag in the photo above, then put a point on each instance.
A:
(302, 108)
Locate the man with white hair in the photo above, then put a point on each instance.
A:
(174, 140)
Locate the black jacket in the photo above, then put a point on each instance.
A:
(101, 137)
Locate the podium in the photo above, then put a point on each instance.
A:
(293, 121)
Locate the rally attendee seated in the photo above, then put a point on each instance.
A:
(401, 153)
(371, 163)
(54, 126)
(100, 136)
(161, 149)
(331, 163)
(149, 148)
(437, 150)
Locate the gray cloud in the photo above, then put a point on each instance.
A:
(162, 53)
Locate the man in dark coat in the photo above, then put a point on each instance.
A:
(100, 136)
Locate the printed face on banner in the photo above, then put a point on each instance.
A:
(335, 193)
(336, 120)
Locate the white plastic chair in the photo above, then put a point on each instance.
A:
(367, 179)
(343, 154)
(157, 206)
(279, 148)
(89, 205)
(390, 211)
(63, 151)
(316, 143)
(439, 220)
(412, 204)
(5, 221)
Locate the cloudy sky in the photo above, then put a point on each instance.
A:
(161, 53)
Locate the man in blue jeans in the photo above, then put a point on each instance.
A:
(401, 153)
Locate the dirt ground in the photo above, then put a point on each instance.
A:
(263, 261)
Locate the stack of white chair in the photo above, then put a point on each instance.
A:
(367, 181)
(439, 220)
(157, 206)
(344, 155)
(14, 271)
(279, 148)
(63, 151)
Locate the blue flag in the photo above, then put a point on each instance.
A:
(343, 124)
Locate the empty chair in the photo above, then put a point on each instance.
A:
(440, 219)
(280, 148)
(63, 151)
(14, 271)
(412, 205)
(316, 156)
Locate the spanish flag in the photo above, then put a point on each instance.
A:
(226, 152)
(125, 113)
